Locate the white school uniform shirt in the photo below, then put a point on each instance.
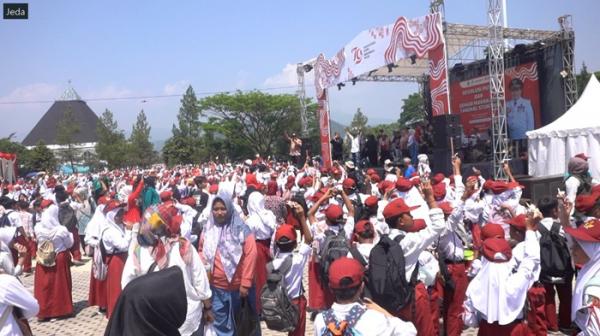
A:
(372, 323)
(505, 304)
(364, 249)
(318, 231)
(197, 287)
(116, 239)
(450, 246)
(61, 238)
(293, 278)
(188, 213)
(518, 254)
(13, 293)
(414, 243)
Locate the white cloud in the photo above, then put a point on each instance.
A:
(33, 92)
(178, 87)
(289, 77)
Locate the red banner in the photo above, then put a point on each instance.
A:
(438, 81)
(323, 113)
(471, 100)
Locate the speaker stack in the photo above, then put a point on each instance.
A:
(445, 127)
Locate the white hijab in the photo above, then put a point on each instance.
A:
(493, 295)
(257, 214)
(49, 225)
(95, 226)
(587, 272)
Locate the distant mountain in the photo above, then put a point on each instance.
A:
(336, 127)
(158, 145)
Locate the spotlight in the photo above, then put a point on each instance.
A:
(391, 67)
(564, 73)
(372, 72)
(413, 59)
(520, 49)
(354, 80)
(458, 67)
(307, 67)
(340, 85)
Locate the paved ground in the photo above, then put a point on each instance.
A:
(89, 322)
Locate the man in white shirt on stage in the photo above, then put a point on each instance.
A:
(519, 112)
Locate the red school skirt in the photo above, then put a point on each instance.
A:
(52, 287)
(116, 263)
(97, 292)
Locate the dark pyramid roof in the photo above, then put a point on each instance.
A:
(46, 128)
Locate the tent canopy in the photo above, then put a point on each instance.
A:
(576, 131)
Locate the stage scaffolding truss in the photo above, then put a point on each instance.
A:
(465, 44)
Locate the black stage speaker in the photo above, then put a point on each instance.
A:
(539, 187)
(445, 127)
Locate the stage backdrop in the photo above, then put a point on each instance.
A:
(375, 48)
(471, 98)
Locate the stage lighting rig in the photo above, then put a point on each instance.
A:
(340, 85)
(413, 59)
(307, 67)
(354, 80)
(391, 67)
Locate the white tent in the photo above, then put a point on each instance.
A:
(576, 131)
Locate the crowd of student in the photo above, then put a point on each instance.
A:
(213, 249)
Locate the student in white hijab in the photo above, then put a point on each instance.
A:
(588, 316)
(496, 297)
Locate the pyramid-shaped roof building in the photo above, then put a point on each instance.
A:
(47, 127)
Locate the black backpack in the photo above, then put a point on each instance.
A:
(66, 216)
(278, 311)
(334, 247)
(386, 277)
(555, 258)
(4, 220)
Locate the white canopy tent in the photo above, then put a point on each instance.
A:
(576, 131)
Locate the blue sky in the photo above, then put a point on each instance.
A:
(135, 48)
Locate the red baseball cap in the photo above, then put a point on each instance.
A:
(492, 230)
(437, 178)
(375, 178)
(587, 232)
(497, 250)
(371, 171)
(348, 184)
(446, 208)
(439, 191)
(488, 184)
(416, 181)
(397, 207)
(112, 205)
(46, 203)
(345, 273)
(287, 231)
(166, 195)
(362, 226)
(305, 182)
(403, 184)
(585, 203)
(189, 201)
(518, 222)
(371, 202)
(384, 185)
(582, 156)
(213, 189)
(334, 213)
(418, 225)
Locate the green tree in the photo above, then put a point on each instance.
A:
(359, 121)
(67, 129)
(184, 144)
(111, 145)
(41, 158)
(583, 78)
(142, 150)
(413, 109)
(255, 120)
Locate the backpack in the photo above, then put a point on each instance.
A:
(554, 255)
(66, 217)
(4, 220)
(99, 267)
(345, 327)
(278, 311)
(386, 277)
(45, 255)
(334, 247)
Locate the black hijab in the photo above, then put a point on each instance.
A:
(153, 304)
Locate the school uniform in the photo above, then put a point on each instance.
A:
(116, 242)
(293, 282)
(53, 285)
(319, 297)
(495, 298)
(413, 244)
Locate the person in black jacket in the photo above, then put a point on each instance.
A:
(337, 147)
